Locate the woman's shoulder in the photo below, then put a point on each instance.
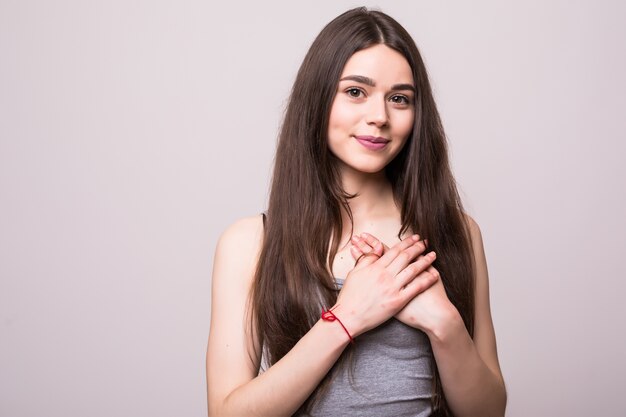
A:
(472, 226)
(236, 256)
(478, 249)
(244, 227)
(242, 237)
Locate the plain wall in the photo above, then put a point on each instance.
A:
(133, 132)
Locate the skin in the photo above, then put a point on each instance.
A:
(376, 289)
(360, 109)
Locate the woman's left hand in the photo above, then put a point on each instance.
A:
(428, 311)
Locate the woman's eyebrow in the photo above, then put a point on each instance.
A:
(368, 81)
(409, 87)
(360, 79)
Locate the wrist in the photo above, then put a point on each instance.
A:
(335, 333)
(329, 315)
(447, 324)
(348, 318)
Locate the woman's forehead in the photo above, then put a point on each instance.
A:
(380, 64)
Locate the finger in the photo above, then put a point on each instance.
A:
(392, 253)
(364, 246)
(413, 270)
(366, 259)
(406, 257)
(377, 245)
(356, 252)
(434, 271)
(421, 283)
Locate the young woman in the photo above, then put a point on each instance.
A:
(361, 169)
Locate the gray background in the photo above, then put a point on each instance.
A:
(133, 132)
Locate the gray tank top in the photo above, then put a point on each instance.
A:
(390, 375)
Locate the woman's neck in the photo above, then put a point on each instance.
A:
(373, 211)
(373, 201)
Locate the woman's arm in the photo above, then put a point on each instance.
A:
(384, 286)
(469, 369)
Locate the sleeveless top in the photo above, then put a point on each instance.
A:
(390, 374)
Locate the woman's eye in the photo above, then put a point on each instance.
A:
(400, 100)
(354, 92)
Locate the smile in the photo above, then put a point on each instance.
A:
(372, 143)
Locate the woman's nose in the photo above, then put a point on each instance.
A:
(377, 112)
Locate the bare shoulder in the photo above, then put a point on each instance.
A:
(478, 250)
(244, 234)
(239, 246)
(476, 236)
(473, 226)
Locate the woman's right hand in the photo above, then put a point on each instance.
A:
(380, 286)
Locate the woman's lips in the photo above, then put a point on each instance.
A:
(372, 143)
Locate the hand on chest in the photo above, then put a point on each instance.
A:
(385, 231)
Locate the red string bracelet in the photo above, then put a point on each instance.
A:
(328, 315)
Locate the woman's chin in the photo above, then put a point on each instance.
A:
(368, 170)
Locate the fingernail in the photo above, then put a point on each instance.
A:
(432, 255)
(416, 237)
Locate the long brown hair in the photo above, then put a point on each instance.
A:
(304, 222)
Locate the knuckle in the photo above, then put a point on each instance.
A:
(402, 245)
(423, 263)
(400, 275)
(418, 287)
(404, 256)
(382, 274)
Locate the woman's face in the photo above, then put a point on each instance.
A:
(373, 110)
